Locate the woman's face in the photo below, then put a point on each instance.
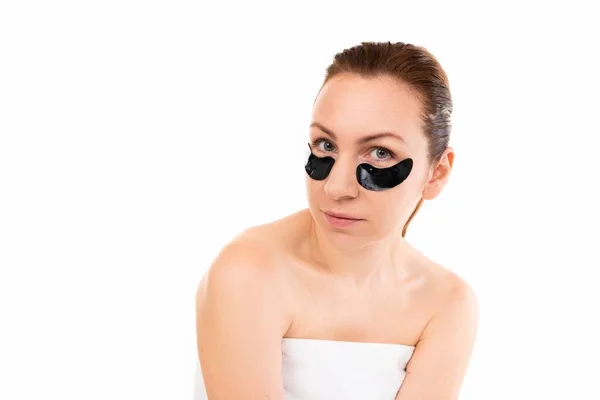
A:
(347, 110)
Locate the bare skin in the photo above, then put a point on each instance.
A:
(394, 310)
(299, 277)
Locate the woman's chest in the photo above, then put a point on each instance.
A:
(383, 315)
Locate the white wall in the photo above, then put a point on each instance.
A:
(130, 131)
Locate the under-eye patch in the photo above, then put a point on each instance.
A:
(318, 168)
(368, 176)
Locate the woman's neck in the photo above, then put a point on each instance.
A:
(374, 262)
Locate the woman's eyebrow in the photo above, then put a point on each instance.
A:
(362, 140)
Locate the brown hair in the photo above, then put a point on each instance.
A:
(412, 65)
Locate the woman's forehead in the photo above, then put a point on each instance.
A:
(353, 107)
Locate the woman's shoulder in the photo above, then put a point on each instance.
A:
(276, 237)
(252, 258)
(240, 298)
(244, 278)
(441, 284)
(247, 258)
(440, 276)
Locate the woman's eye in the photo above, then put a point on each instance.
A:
(327, 145)
(380, 153)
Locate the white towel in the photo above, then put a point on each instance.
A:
(329, 370)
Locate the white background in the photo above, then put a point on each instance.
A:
(130, 136)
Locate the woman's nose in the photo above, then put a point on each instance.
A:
(341, 182)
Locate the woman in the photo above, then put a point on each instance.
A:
(331, 302)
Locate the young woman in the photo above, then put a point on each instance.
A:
(331, 302)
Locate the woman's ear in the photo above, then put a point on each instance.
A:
(440, 175)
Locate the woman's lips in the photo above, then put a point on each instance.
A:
(340, 222)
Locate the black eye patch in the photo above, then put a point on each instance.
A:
(318, 168)
(368, 176)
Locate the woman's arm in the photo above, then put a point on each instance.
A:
(439, 364)
(241, 318)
